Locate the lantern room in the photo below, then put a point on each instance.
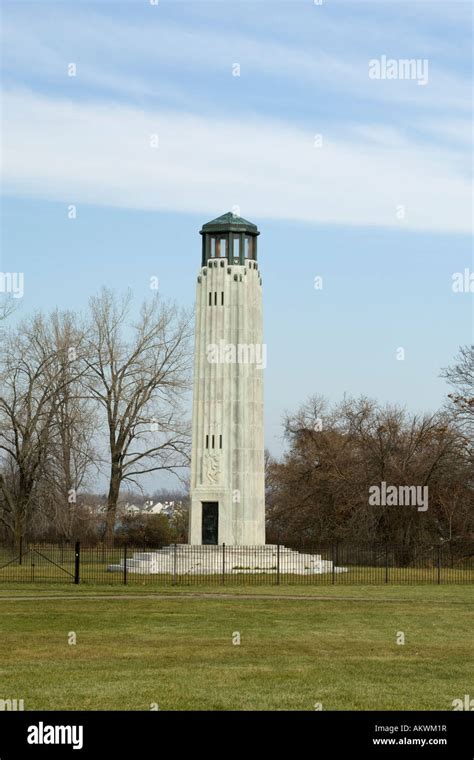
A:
(229, 237)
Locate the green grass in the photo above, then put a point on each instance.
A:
(175, 648)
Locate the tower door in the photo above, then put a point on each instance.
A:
(210, 522)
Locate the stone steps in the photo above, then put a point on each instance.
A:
(185, 559)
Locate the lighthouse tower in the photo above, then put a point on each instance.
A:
(227, 466)
(227, 513)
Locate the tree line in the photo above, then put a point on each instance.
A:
(108, 392)
(319, 491)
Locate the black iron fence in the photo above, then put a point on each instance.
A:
(182, 564)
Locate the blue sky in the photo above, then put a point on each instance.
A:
(379, 205)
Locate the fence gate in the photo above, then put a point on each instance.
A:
(47, 563)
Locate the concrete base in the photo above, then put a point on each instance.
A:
(185, 559)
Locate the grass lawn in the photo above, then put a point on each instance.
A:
(336, 646)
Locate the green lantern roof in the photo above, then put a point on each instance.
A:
(230, 222)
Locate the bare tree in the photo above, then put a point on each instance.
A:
(460, 376)
(7, 307)
(320, 488)
(139, 382)
(31, 380)
(71, 453)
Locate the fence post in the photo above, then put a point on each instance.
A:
(125, 565)
(174, 564)
(77, 562)
(386, 563)
(21, 550)
(223, 564)
(278, 564)
(333, 563)
(439, 564)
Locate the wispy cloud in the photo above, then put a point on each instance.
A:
(247, 140)
(101, 154)
(133, 56)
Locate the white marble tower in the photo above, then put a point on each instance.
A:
(227, 467)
